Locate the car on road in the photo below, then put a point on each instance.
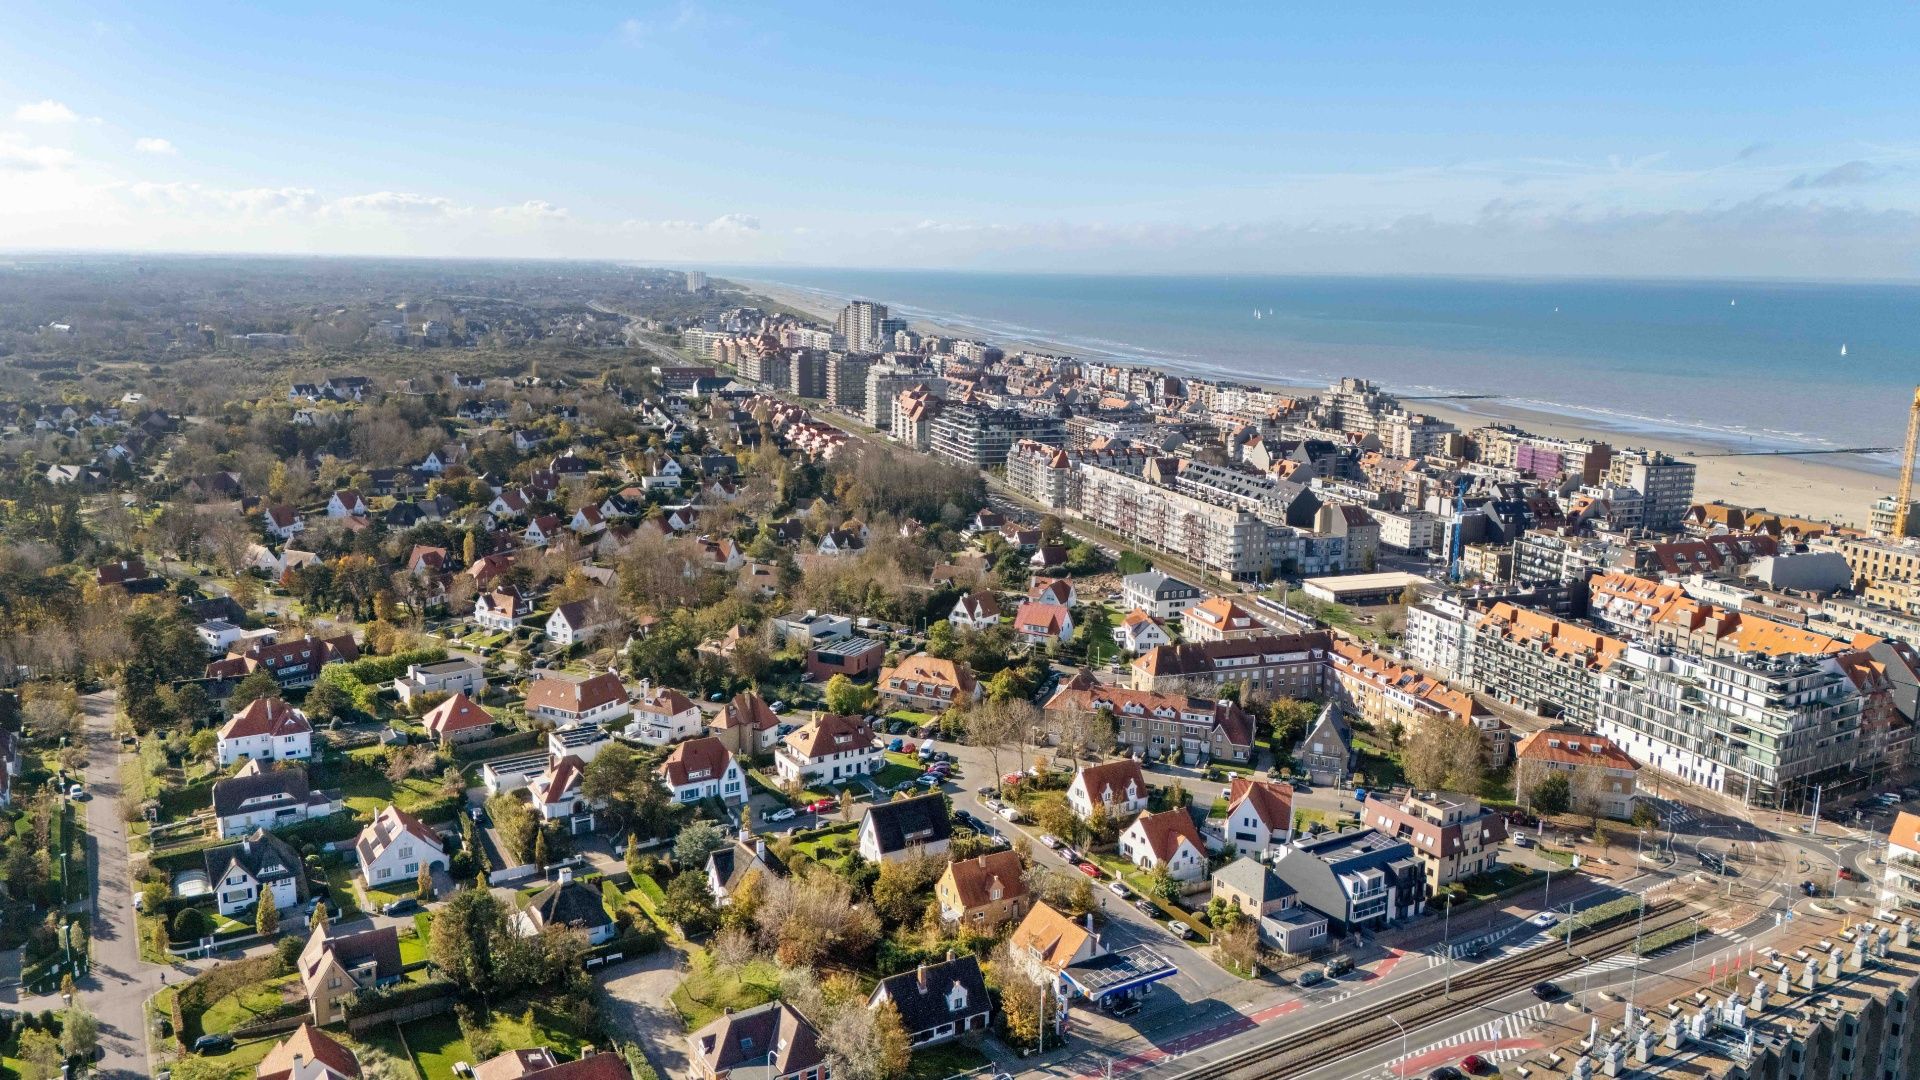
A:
(716, 696)
(1848, 873)
(213, 1044)
(75, 791)
(1809, 888)
(1011, 813)
(1522, 840)
(1051, 841)
(1309, 977)
(1337, 966)
(1547, 991)
(1179, 929)
(778, 706)
(1544, 919)
(1445, 1072)
(406, 905)
(1119, 889)
(785, 813)
(1475, 1064)
(1091, 871)
(1145, 907)
(818, 805)
(931, 780)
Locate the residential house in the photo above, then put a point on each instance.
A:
(852, 657)
(346, 503)
(511, 504)
(747, 724)
(487, 567)
(1040, 623)
(268, 729)
(892, 831)
(282, 522)
(1284, 924)
(983, 893)
(308, 1054)
(1453, 836)
(501, 609)
(828, 749)
(1289, 665)
(262, 863)
(977, 610)
(587, 521)
(768, 1042)
(841, 542)
(543, 530)
(293, 664)
(938, 1002)
(1139, 632)
(703, 769)
(1162, 725)
(663, 715)
(1158, 595)
(394, 846)
(574, 623)
(457, 720)
(1219, 619)
(600, 699)
(332, 969)
(810, 628)
(558, 796)
(927, 683)
(425, 560)
(1259, 814)
(729, 866)
(1598, 771)
(1167, 840)
(1118, 786)
(1358, 878)
(566, 903)
(1326, 752)
(460, 675)
(1046, 590)
(260, 797)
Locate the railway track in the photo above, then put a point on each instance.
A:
(1302, 1051)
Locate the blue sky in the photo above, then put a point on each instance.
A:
(1533, 139)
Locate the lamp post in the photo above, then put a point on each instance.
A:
(1446, 943)
(1403, 1045)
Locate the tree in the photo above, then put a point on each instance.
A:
(848, 698)
(191, 924)
(613, 778)
(539, 847)
(1444, 753)
(941, 641)
(318, 920)
(324, 701)
(1027, 1000)
(423, 883)
(1644, 815)
(465, 936)
(690, 848)
(514, 820)
(867, 1044)
(266, 917)
(1289, 718)
(806, 917)
(993, 726)
(41, 1055)
(688, 904)
(258, 684)
(79, 1032)
(1552, 795)
(903, 887)
(1239, 945)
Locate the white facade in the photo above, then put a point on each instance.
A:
(1186, 864)
(238, 893)
(447, 677)
(1405, 530)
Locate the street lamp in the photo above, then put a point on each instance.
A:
(1403, 1045)
(1446, 943)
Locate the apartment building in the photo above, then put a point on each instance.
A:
(1453, 836)
(1162, 725)
(885, 382)
(1874, 560)
(983, 437)
(847, 379)
(1233, 542)
(1900, 884)
(1386, 694)
(1665, 485)
(1597, 771)
(1293, 665)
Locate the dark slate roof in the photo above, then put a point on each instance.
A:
(284, 786)
(569, 903)
(922, 1010)
(381, 946)
(217, 607)
(921, 820)
(259, 851)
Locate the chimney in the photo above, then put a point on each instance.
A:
(566, 876)
(949, 956)
(921, 976)
(760, 848)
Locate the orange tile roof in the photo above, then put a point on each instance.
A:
(1576, 748)
(457, 713)
(1050, 936)
(1385, 673)
(973, 879)
(1166, 829)
(1564, 639)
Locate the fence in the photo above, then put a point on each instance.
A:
(400, 1014)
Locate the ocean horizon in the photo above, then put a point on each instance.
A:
(1739, 363)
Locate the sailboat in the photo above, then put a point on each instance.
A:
(1733, 303)
(1256, 313)
(1843, 348)
(1269, 311)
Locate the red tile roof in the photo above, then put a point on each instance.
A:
(266, 716)
(457, 713)
(567, 695)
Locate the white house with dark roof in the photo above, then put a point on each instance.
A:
(261, 863)
(395, 845)
(891, 831)
(573, 623)
(566, 903)
(260, 797)
(938, 1002)
(975, 611)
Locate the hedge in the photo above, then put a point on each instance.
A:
(369, 1002)
(1598, 915)
(361, 681)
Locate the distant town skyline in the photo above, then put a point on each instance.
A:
(1616, 142)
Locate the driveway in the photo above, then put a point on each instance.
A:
(637, 1005)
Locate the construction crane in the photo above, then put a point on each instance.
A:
(1903, 499)
(1458, 541)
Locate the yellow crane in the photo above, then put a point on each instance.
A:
(1903, 501)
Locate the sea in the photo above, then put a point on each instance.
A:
(1753, 365)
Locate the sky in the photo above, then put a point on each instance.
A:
(1669, 140)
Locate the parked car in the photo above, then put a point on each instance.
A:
(1179, 929)
(1848, 873)
(1522, 840)
(930, 780)
(1051, 841)
(75, 791)
(1309, 977)
(778, 706)
(820, 805)
(1011, 813)
(406, 905)
(1145, 907)
(785, 813)
(1337, 966)
(716, 696)
(1545, 918)
(1474, 1063)
(1809, 888)
(213, 1044)
(1119, 889)
(1091, 871)
(1546, 991)
(896, 744)
(1445, 1072)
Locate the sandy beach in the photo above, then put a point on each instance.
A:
(1814, 487)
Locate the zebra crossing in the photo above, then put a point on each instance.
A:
(1611, 963)
(1511, 1026)
(1488, 946)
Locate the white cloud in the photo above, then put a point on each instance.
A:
(18, 155)
(194, 199)
(405, 204)
(151, 145)
(45, 112)
(687, 15)
(724, 225)
(531, 210)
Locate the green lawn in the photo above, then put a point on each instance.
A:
(413, 950)
(536, 1025)
(815, 844)
(340, 890)
(365, 792)
(436, 1043)
(1304, 819)
(704, 993)
(246, 1005)
(940, 1062)
(386, 1040)
(388, 893)
(899, 769)
(911, 716)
